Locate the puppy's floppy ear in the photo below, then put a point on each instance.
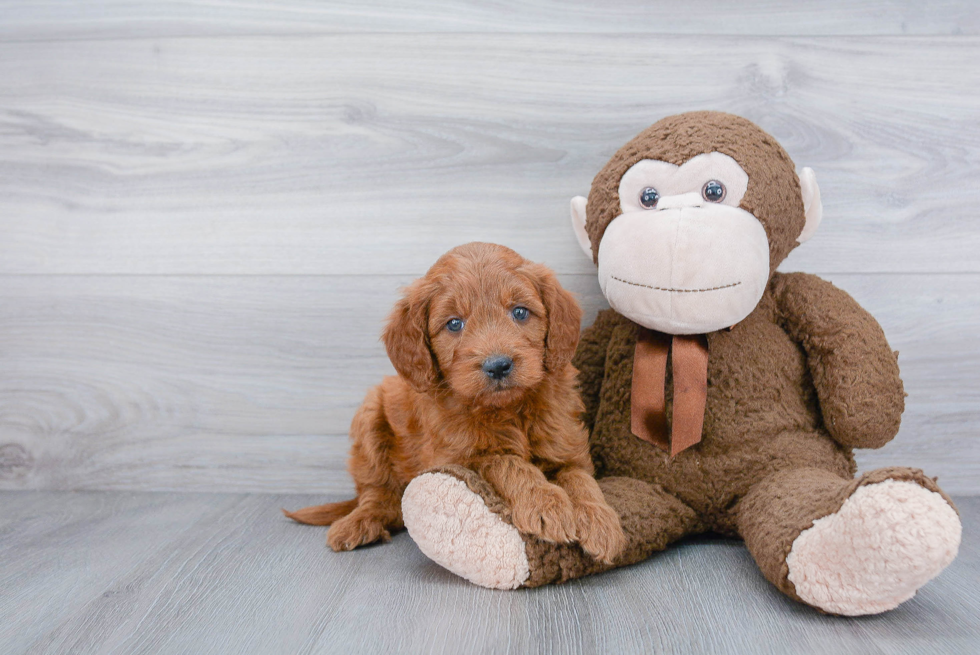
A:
(406, 337)
(564, 318)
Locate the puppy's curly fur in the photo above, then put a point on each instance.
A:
(449, 404)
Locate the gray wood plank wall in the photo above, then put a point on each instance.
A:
(207, 209)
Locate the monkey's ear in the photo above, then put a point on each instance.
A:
(578, 225)
(406, 338)
(812, 207)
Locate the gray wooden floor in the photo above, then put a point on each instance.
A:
(100, 572)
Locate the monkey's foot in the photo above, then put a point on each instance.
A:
(458, 522)
(887, 540)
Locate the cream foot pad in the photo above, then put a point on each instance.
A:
(887, 540)
(454, 528)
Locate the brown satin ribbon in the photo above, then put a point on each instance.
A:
(689, 365)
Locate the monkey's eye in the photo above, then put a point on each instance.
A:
(713, 191)
(520, 313)
(649, 197)
(454, 324)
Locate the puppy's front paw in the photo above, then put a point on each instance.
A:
(356, 530)
(546, 513)
(599, 531)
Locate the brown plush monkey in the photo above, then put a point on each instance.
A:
(721, 395)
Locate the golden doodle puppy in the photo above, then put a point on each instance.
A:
(482, 346)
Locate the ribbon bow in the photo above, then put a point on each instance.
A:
(689, 365)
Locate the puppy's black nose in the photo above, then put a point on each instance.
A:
(497, 366)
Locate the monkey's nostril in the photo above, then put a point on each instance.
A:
(498, 367)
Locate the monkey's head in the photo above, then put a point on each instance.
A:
(689, 220)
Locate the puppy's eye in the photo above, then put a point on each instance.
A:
(520, 313)
(649, 197)
(713, 191)
(454, 324)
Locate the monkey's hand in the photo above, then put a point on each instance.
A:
(853, 368)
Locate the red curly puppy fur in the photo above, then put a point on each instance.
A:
(482, 346)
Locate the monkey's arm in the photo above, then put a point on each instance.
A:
(590, 360)
(854, 370)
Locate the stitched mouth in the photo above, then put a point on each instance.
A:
(650, 286)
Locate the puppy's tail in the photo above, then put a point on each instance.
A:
(322, 514)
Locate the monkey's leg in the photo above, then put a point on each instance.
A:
(461, 524)
(849, 547)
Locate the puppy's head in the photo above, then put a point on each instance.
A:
(484, 323)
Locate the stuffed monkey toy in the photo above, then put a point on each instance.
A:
(720, 395)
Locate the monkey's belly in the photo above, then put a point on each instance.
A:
(762, 416)
(712, 476)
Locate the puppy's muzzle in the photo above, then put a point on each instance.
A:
(497, 367)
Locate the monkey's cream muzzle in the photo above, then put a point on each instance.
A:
(685, 269)
(681, 263)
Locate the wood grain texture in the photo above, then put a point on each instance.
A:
(375, 153)
(33, 20)
(207, 208)
(249, 383)
(221, 573)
